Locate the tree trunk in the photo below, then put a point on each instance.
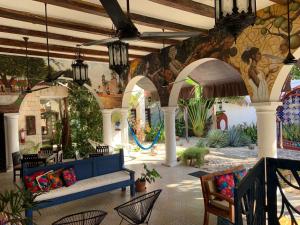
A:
(66, 131)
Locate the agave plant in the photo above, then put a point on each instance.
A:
(291, 132)
(198, 109)
(237, 138)
(217, 139)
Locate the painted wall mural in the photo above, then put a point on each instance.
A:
(257, 53)
(103, 81)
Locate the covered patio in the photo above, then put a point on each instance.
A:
(98, 87)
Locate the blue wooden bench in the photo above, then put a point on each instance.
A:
(94, 175)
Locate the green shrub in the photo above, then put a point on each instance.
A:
(202, 143)
(195, 154)
(291, 132)
(151, 132)
(250, 131)
(180, 127)
(237, 138)
(217, 139)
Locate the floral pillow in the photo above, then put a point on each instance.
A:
(69, 176)
(43, 181)
(55, 179)
(31, 183)
(239, 175)
(225, 184)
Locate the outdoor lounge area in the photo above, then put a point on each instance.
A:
(157, 112)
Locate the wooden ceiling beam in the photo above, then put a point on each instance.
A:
(66, 24)
(57, 48)
(97, 9)
(189, 6)
(62, 37)
(281, 2)
(44, 54)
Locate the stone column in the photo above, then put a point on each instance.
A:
(124, 127)
(11, 136)
(266, 128)
(107, 126)
(170, 135)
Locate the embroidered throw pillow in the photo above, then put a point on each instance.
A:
(225, 184)
(239, 175)
(55, 179)
(69, 176)
(43, 181)
(31, 183)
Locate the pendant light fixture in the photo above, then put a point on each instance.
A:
(234, 15)
(79, 69)
(290, 59)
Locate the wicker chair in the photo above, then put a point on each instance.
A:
(30, 156)
(138, 210)
(102, 149)
(34, 162)
(77, 155)
(59, 156)
(17, 166)
(94, 217)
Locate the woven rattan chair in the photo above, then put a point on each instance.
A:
(17, 166)
(30, 156)
(30, 163)
(93, 217)
(102, 149)
(138, 210)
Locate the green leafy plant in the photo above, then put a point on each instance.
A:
(85, 121)
(149, 175)
(250, 131)
(180, 127)
(202, 143)
(291, 132)
(194, 155)
(151, 132)
(13, 203)
(237, 138)
(217, 139)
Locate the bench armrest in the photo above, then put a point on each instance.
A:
(222, 197)
(131, 172)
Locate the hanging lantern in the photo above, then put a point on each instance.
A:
(234, 15)
(118, 57)
(80, 69)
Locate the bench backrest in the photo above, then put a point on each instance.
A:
(208, 181)
(86, 168)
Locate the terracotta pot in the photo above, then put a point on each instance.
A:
(140, 186)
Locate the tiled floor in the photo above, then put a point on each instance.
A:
(180, 202)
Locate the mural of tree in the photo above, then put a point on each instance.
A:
(274, 22)
(13, 67)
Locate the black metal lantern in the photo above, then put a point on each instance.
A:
(234, 15)
(118, 57)
(80, 69)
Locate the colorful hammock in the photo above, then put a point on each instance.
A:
(136, 140)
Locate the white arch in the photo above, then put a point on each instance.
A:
(281, 78)
(129, 88)
(173, 99)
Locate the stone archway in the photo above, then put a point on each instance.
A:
(145, 83)
(217, 78)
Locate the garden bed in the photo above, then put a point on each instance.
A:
(292, 145)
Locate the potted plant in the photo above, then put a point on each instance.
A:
(13, 203)
(147, 176)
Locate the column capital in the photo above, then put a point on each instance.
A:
(12, 115)
(107, 111)
(265, 107)
(169, 109)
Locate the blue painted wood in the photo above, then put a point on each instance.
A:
(85, 169)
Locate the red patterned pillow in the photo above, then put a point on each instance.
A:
(69, 176)
(31, 183)
(225, 184)
(43, 181)
(55, 180)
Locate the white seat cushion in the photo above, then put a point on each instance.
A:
(86, 184)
